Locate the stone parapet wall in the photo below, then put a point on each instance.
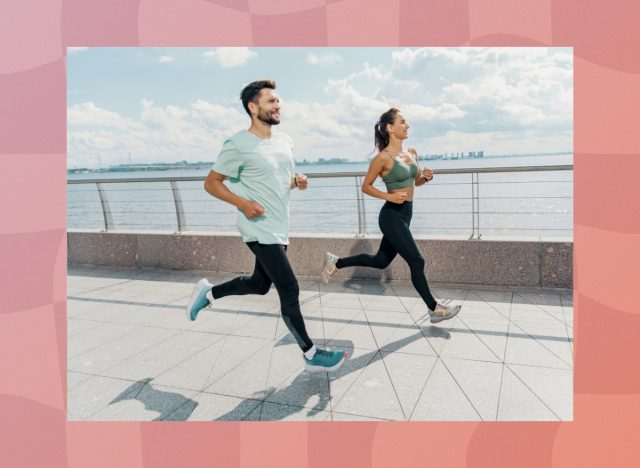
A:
(466, 262)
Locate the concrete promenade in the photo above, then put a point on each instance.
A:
(132, 355)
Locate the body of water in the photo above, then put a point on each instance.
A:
(522, 204)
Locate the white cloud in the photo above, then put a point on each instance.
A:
(169, 133)
(88, 114)
(498, 100)
(325, 59)
(76, 50)
(165, 59)
(229, 57)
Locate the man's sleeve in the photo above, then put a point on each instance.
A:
(229, 161)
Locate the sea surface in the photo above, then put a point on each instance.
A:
(512, 205)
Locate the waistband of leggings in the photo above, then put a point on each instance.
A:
(398, 206)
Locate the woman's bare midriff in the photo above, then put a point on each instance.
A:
(409, 191)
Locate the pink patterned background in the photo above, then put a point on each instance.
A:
(33, 36)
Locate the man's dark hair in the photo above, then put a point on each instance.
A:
(251, 92)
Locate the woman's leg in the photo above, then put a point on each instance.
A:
(383, 257)
(396, 230)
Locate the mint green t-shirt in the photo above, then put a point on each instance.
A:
(260, 170)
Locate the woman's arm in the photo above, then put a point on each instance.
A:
(424, 175)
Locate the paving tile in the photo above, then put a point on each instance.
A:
(96, 393)
(443, 400)
(382, 303)
(247, 379)
(303, 389)
(553, 386)
(173, 318)
(277, 412)
(351, 417)
(209, 364)
(398, 332)
(96, 360)
(74, 378)
(78, 308)
(357, 332)
(408, 374)
(212, 407)
(114, 311)
(341, 380)
(96, 337)
(535, 350)
(480, 382)
(158, 359)
(133, 355)
(215, 320)
(372, 394)
(493, 333)
(464, 343)
(76, 326)
(254, 325)
(519, 403)
(341, 300)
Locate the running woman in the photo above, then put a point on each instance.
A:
(259, 165)
(401, 173)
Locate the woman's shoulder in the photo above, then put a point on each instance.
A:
(414, 154)
(381, 159)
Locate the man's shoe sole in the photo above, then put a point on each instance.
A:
(437, 319)
(194, 295)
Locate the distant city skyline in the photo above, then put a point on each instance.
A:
(151, 105)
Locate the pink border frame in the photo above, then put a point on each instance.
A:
(33, 427)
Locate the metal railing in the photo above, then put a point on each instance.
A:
(474, 196)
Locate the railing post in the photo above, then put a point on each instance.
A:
(106, 210)
(475, 207)
(177, 200)
(359, 204)
(478, 203)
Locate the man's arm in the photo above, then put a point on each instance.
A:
(214, 185)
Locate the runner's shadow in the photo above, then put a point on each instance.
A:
(293, 399)
(158, 401)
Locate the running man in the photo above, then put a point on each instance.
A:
(259, 165)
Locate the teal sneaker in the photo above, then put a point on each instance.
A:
(329, 266)
(198, 299)
(325, 360)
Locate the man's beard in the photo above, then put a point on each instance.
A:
(266, 118)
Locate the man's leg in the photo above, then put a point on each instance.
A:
(204, 292)
(274, 260)
(258, 283)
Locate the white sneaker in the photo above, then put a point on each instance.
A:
(444, 312)
(329, 266)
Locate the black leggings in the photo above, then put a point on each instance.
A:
(394, 221)
(272, 266)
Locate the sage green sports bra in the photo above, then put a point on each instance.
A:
(401, 175)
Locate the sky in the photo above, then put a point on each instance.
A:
(148, 105)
